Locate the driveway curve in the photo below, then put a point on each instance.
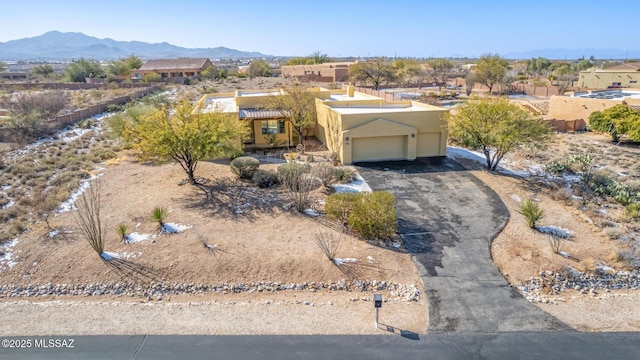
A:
(447, 219)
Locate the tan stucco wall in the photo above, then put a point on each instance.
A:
(572, 108)
(419, 125)
(603, 79)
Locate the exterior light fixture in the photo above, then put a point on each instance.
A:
(377, 303)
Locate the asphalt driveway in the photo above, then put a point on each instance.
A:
(447, 219)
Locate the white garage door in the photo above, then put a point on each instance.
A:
(379, 148)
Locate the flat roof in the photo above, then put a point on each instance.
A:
(610, 95)
(373, 109)
(259, 93)
(224, 104)
(356, 96)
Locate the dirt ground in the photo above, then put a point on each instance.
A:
(521, 253)
(255, 240)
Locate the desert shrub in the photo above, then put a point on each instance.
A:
(345, 175)
(584, 166)
(632, 211)
(113, 108)
(326, 173)
(620, 192)
(291, 170)
(122, 230)
(339, 206)
(558, 167)
(152, 77)
(374, 217)
(245, 166)
(265, 178)
(589, 265)
(531, 211)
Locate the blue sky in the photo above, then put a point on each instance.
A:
(338, 28)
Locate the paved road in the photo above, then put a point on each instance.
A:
(519, 345)
(447, 219)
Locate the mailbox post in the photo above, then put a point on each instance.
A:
(377, 302)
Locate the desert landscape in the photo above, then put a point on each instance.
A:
(242, 258)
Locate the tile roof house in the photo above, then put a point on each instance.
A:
(172, 68)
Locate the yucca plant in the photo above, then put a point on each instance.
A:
(532, 212)
(159, 214)
(123, 231)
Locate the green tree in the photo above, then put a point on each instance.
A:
(297, 106)
(185, 137)
(407, 70)
(259, 67)
(3, 66)
(496, 127)
(584, 65)
(319, 58)
(133, 62)
(43, 70)
(440, 70)
(315, 58)
(81, 69)
(616, 121)
(375, 71)
(490, 70)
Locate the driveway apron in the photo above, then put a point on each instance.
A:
(447, 219)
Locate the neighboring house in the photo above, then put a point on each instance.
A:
(357, 126)
(173, 68)
(620, 76)
(326, 72)
(14, 75)
(580, 105)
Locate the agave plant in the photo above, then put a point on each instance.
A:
(158, 215)
(123, 231)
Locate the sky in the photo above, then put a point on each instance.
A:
(403, 28)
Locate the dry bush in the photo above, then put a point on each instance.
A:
(556, 243)
(589, 265)
(612, 233)
(328, 243)
(47, 104)
(88, 218)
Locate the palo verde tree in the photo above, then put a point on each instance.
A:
(616, 121)
(440, 70)
(259, 67)
(496, 127)
(490, 70)
(297, 106)
(43, 70)
(407, 70)
(315, 58)
(81, 69)
(185, 137)
(374, 71)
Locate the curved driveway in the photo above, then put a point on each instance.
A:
(447, 219)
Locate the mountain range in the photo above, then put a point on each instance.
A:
(573, 54)
(55, 45)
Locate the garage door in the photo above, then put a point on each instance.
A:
(379, 148)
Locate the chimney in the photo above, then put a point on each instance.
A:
(350, 90)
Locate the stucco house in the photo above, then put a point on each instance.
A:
(621, 76)
(573, 106)
(357, 126)
(326, 72)
(172, 68)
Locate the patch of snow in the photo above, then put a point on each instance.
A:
(555, 231)
(173, 228)
(7, 258)
(109, 256)
(53, 233)
(138, 225)
(311, 212)
(605, 269)
(564, 254)
(8, 205)
(516, 198)
(135, 237)
(339, 261)
(69, 204)
(454, 152)
(358, 185)
(369, 258)
(396, 245)
(73, 134)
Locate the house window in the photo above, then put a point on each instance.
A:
(272, 127)
(633, 81)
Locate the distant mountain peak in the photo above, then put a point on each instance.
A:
(57, 45)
